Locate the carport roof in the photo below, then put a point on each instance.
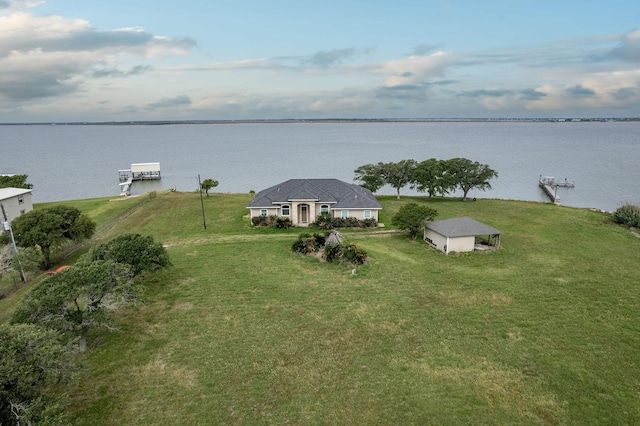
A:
(461, 227)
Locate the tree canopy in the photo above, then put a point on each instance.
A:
(467, 174)
(370, 176)
(432, 176)
(375, 176)
(207, 184)
(399, 174)
(412, 217)
(15, 181)
(32, 359)
(50, 228)
(141, 253)
(78, 298)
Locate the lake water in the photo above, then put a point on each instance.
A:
(67, 162)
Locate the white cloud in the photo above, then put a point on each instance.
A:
(416, 69)
(51, 56)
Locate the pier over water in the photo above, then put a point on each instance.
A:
(138, 171)
(550, 185)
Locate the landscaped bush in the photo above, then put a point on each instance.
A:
(323, 221)
(331, 246)
(283, 223)
(628, 214)
(307, 243)
(271, 221)
(332, 252)
(369, 223)
(354, 254)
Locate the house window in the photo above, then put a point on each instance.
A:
(23, 211)
(344, 213)
(263, 212)
(285, 211)
(367, 214)
(20, 199)
(324, 209)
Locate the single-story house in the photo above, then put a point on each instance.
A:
(303, 200)
(459, 234)
(16, 202)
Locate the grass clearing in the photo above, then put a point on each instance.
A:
(241, 330)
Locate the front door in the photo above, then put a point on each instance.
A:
(304, 213)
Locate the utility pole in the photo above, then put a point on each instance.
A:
(204, 221)
(7, 227)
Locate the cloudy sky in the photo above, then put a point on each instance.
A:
(98, 60)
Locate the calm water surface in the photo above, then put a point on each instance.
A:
(82, 161)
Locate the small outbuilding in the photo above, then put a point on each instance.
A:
(461, 234)
(15, 202)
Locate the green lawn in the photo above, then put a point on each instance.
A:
(242, 331)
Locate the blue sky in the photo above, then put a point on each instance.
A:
(89, 60)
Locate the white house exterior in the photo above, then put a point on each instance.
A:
(459, 234)
(16, 202)
(303, 200)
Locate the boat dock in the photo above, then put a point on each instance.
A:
(138, 171)
(550, 185)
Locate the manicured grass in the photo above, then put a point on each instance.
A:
(241, 330)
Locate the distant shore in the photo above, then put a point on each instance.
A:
(326, 120)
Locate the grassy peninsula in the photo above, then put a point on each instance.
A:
(243, 331)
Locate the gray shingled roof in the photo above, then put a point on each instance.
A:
(336, 193)
(461, 227)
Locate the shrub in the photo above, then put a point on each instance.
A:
(628, 214)
(369, 223)
(307, 243)
(283, 223)
(354, 254)
(323, 221)
(271, 221)
(337, 222)
(332, 252)
(351, 222)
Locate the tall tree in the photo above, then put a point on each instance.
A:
(141, 253)
(207, 184)
(50, 228)
(429, 176)
(15, 181)
(467, 174)
(399, 174)
(370, 176)
(32, 359)
(412, 217)
(78, 298)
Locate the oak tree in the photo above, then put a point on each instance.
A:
(466, 175)
(140, 252)
(50, 228)
(32, 359)
(78, 298)
(412, 217)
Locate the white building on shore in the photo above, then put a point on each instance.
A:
(15, 202)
